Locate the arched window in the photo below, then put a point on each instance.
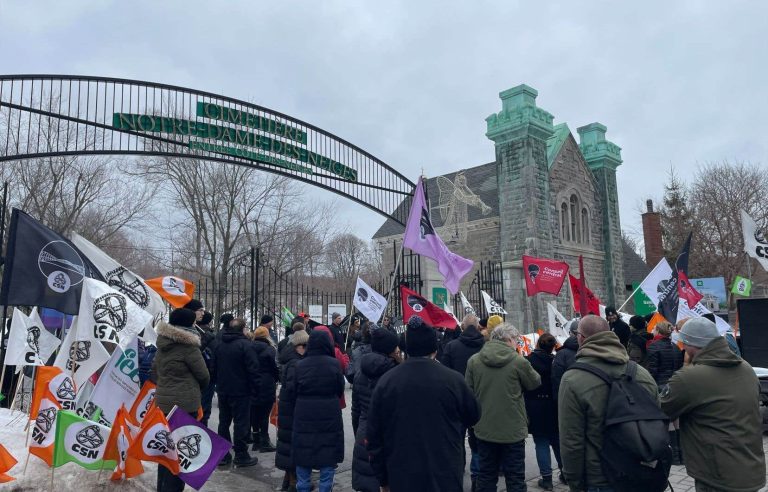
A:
(564, 221)
(575, 229)
(585, 226)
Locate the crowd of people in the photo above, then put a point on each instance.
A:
(419, 394)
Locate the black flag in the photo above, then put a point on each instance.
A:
(669, 294)
(42, 267)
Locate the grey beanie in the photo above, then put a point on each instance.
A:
(698, 332)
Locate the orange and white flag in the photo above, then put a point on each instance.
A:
(118, 442)
(175, 290)
(44, 429)
(7, 461)
(154, 442)
(144, 401)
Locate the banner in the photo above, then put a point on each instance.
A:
(80, 441)
(491, 307)
(755, 240)
(591, 301)
(414, 304)
(143, 402)
(7, 461)
(80, 358)
(420, 237)
(29, 343)
(175, 290)
(120, 278)
(199, 448)
(684, 288)
(286, 316)
(118, 384)
(42, 268)
(119, 440)
(556, 321)
(368, 301)
(741, 286)
(154, 442)
(643, 305)
(543, 275)
(468, 309)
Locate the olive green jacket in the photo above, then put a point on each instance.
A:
(498, 375)
(716, 398)
(178, 369)
(581, 405)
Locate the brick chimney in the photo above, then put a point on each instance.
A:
(654, 251)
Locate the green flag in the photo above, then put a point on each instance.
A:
(80, 441)
(643, 305)
(741, 286)
(287, 316)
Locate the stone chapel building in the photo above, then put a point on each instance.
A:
(546, 195)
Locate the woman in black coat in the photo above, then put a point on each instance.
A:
(318, 431)
(261, 404)
(289, 356)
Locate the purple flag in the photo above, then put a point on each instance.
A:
(199, 448)
(420, 236)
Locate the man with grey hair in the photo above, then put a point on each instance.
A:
(716, 397)
(498, 376)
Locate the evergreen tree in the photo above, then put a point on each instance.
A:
(676, 216)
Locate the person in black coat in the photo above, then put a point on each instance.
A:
(566, 356)
(318, 431)
(236, 370)
(618, 325)
(417, 417)
(360, 348)
(385, 355)
(261, 404)
(542, 411)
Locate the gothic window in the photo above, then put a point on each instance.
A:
(564, 221)
(574, 221)
(575, 226)
(585, 226)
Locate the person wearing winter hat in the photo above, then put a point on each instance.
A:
(180, 374)
(705, 395)
(638, 340)
(493, 322)
(196, 305)
(618, 326)
(565, 356)
(420, 408)
(261, 404)
(208, 343)
(268, 322)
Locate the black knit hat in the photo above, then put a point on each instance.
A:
(420, 338)
(383, 341)
(182, 317)
(193, 305)
(207, 318)
(637, 323)
(266, 319)
(226, 318)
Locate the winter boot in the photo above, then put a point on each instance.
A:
(545, 483)
(675, 444)
(226, 460)
(286, 482)
(265, 445)
(245, 460)
(562, 479)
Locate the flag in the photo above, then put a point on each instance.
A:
(491, 307)
(7, 461)
(29, 343)
(684, 288)
(154, 442)
(741, 286)
(119, 381)
(556, 321)
(468, 309)
(420, 236)
(143, 402)
(287, 316)
(543, 275)
(590, 299)
(80, 441)
(149, 335)
(40, 389)
(368, 301)
(120, 278)
(42, 268)
(414, 304)
(656, 281)
(448, 309)
(655, 320)
(119, 440)
(175, 290)
(199, 448)
(670, 295)
(80, 358)
(55, 321)
(44, 428)
(755, 240)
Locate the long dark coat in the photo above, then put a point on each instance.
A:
(236, 366)
(416, 423)
(564, 359)
(268, 373)
(458, 351)
(539, 403)
(318, 431)
(288, 359)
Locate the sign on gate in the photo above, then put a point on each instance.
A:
(316, 312)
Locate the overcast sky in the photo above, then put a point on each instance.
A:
(676, 83)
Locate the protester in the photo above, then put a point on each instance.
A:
(360, 347)
(638, 340)
(717, 398)
(208, 343)
(385, 355)
(566, 356)
(288, 359)
(582, 403)
(289, 331)
(618, 326)
(236, 368)
(498, 375)
(483, 327)
(386, 323)
(261, 404)
(417, 417)
(353, 333)
(180, 374)
(197, 306)
(318, 431)
(335, 329)
(492, 323)
(146, 356)
(541, 408)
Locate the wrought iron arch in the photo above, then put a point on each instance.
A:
(64, 115)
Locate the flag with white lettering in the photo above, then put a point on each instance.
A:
(199, 448)
(80, 441)
(119, 440)
(143, 402)
(755, 240)
(491, 306)
(155, 443)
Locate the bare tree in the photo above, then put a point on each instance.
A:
(346, 256)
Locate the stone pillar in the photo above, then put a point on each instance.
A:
(520, 132)
(603, 157)
(654, 250)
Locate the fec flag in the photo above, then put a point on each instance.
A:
(543, 275)
(80, 441)
(741, 286)
(199, 448)
(119, 381)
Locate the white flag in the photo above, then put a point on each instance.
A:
(29, 343)
(108, 315)
(368, 301)
(468, 309)
(120, 278)
(80, 358)
(149, 336)
(449, 309)
(119, 381)
(491, 306)
(755, 240)
(654, 283)
(556, 321)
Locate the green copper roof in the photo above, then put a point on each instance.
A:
(519, 113)
(556, 141)
(597, 151)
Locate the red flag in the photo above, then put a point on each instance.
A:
(543, 275)
(432, 315)
(591, 302)
(686, 291)
(583, 289)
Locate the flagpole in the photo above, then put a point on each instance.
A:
(52, 470)
(349, 323)
(394, 276)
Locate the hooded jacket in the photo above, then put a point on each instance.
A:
(339, 355)
(287, 359)
(498, 376)
(539, 403)
(457, 352)
(716, 398)
(564, 359)
(236, 365)
(178, 369)
(268, 372)
(581, 408)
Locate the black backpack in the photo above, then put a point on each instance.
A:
(636, 455)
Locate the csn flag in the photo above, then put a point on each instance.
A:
(80, 358)
(414, 304)
(199, 448)
(29, 343)
(42, 267)
(154, 442)
(543, 275)
(119, 381)
(119, 440)
(80, 441)
(368, 301)
(491, 307)
(465, 305)
(557, 321)
(420, 236)
(755, 240)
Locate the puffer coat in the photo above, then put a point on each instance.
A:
(178, 369)
(288, 359)
(664, 358)
(268, 373)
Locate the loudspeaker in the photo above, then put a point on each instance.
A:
(753, 328)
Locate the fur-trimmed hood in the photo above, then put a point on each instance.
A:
(168, 335)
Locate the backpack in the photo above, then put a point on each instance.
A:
(636, 455)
